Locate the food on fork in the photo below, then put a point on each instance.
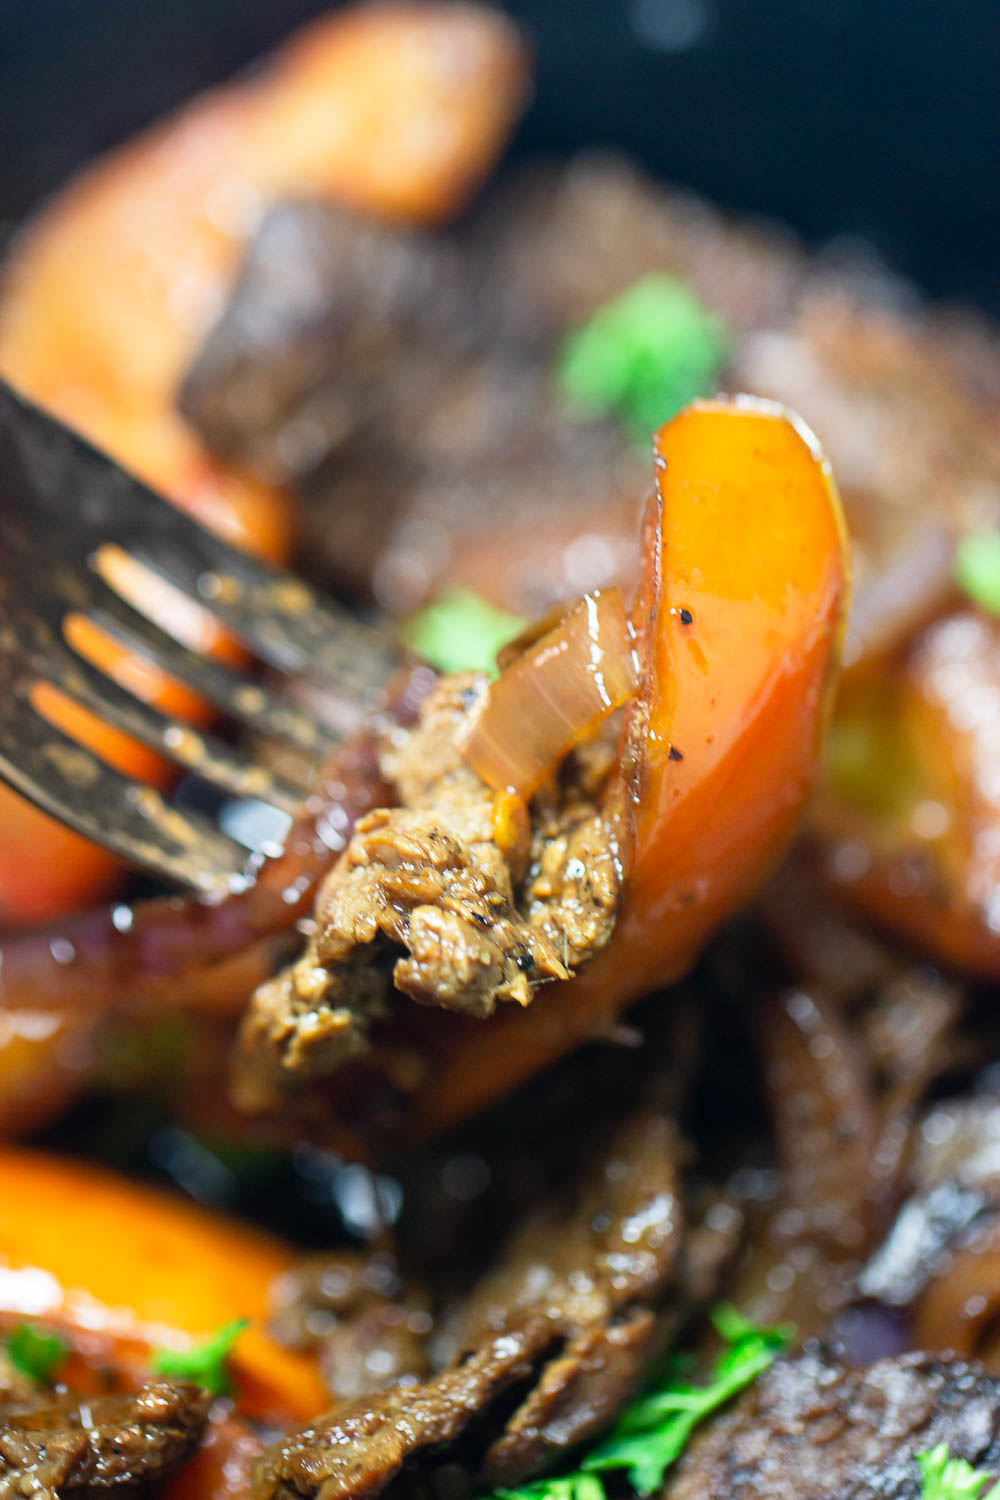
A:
(570, 300)
(510, 863)
(527, 834)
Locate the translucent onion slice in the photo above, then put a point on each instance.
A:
(554, 695)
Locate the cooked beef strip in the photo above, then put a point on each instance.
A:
(900, 1020)
(811, 1429)
(409, 380)
(369, 1327)
(483, 916)
(358, 1449)
(57, 1445)
(539, 1356)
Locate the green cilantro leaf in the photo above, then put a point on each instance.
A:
(944, 1478)
(645, 354)
(572, 1487)
(35, 1353)
(204, 1364)
(977, 568)
(460, 632)
(652, 1433)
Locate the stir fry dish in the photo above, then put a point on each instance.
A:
(592, 1092)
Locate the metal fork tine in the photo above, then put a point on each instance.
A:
(133, 820)
(35, 604)
(253, 703)
(282, 619)
(61, 502)
(194, 749)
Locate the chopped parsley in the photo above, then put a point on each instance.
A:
(651, 1434)
(944, 1478)
(35, 1353)
(460, 632)
(645, 354)
(203, 1364)
(977, 568)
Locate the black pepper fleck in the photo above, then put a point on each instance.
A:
(687, 618)
(674, 754)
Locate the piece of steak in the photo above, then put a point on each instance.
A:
(543, 1352)
(62, 1445)
(812, 1429)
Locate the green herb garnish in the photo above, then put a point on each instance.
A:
(204, 1364)
(645, 354)
(944, 1478)
(35, 1353)
(977, 568)
(651, 1434)
(460, 632)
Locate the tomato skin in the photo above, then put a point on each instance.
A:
(744, 596)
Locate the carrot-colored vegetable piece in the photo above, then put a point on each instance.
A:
(741, 610)
(124, 1269)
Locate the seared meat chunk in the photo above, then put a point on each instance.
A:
(325, 298)
(811, 1429)
(540, 1356)
(485, 908)
(60, 1445)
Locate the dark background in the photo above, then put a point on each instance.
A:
(870, 117)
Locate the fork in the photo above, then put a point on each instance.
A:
(62, 504)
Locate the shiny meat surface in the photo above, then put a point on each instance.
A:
(485, 909)
(368, 1326)
(61, 1445)
(810, 1429)
(539, 1356)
